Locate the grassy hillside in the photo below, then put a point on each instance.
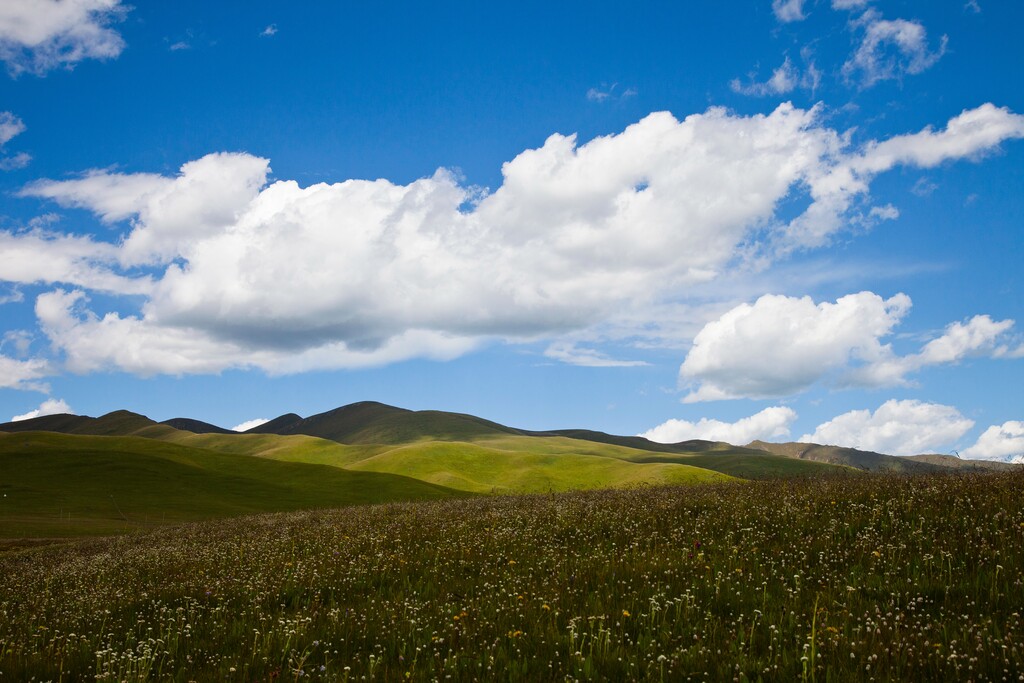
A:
(495, 463)
(498, 465)
(471, 467)
(61, 485)
(296, 448)
(710, 455)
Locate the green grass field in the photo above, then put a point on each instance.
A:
(472, 467)
(94, 482)
(890, 578)
(62, 485)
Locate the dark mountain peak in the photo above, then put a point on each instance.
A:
(64, 422)
(279, 425)
(120, 414)
(358, 410)
(195, 426)
(375, 422)
(116, 423)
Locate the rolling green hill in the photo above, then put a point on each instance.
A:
(63, 485)
(472, 467)
(507, 464)
(67, 475)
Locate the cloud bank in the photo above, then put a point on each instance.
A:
(999, 442)
(779, 346)
(238, 272)
(771, 423)
(896, 427)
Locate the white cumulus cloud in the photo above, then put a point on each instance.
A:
(999, 442)
(897, 427)
(781, 345)
(39, 35)
(242, 273)
(249, 424)
(51, 406)
(770, 423)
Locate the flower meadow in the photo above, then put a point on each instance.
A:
(853, 578)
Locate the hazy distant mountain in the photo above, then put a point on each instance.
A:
(956, 463)
(691, 446)
(851, 457)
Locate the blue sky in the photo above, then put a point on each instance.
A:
(730, 220)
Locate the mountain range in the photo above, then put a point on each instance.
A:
(71, 474)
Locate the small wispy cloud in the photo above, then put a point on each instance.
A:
(19, 160)
(848, 4)
(608, 92)
(571, 354)
(270, 30)
(972, 6)
(923, 187)
(10, 127)
(783, 80)
(788, 10)
(890, 49)
(13, 296)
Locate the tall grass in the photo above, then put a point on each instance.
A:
(866, 578)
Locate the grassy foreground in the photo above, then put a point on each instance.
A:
(883, 578)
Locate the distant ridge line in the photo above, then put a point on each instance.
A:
(372, 422)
